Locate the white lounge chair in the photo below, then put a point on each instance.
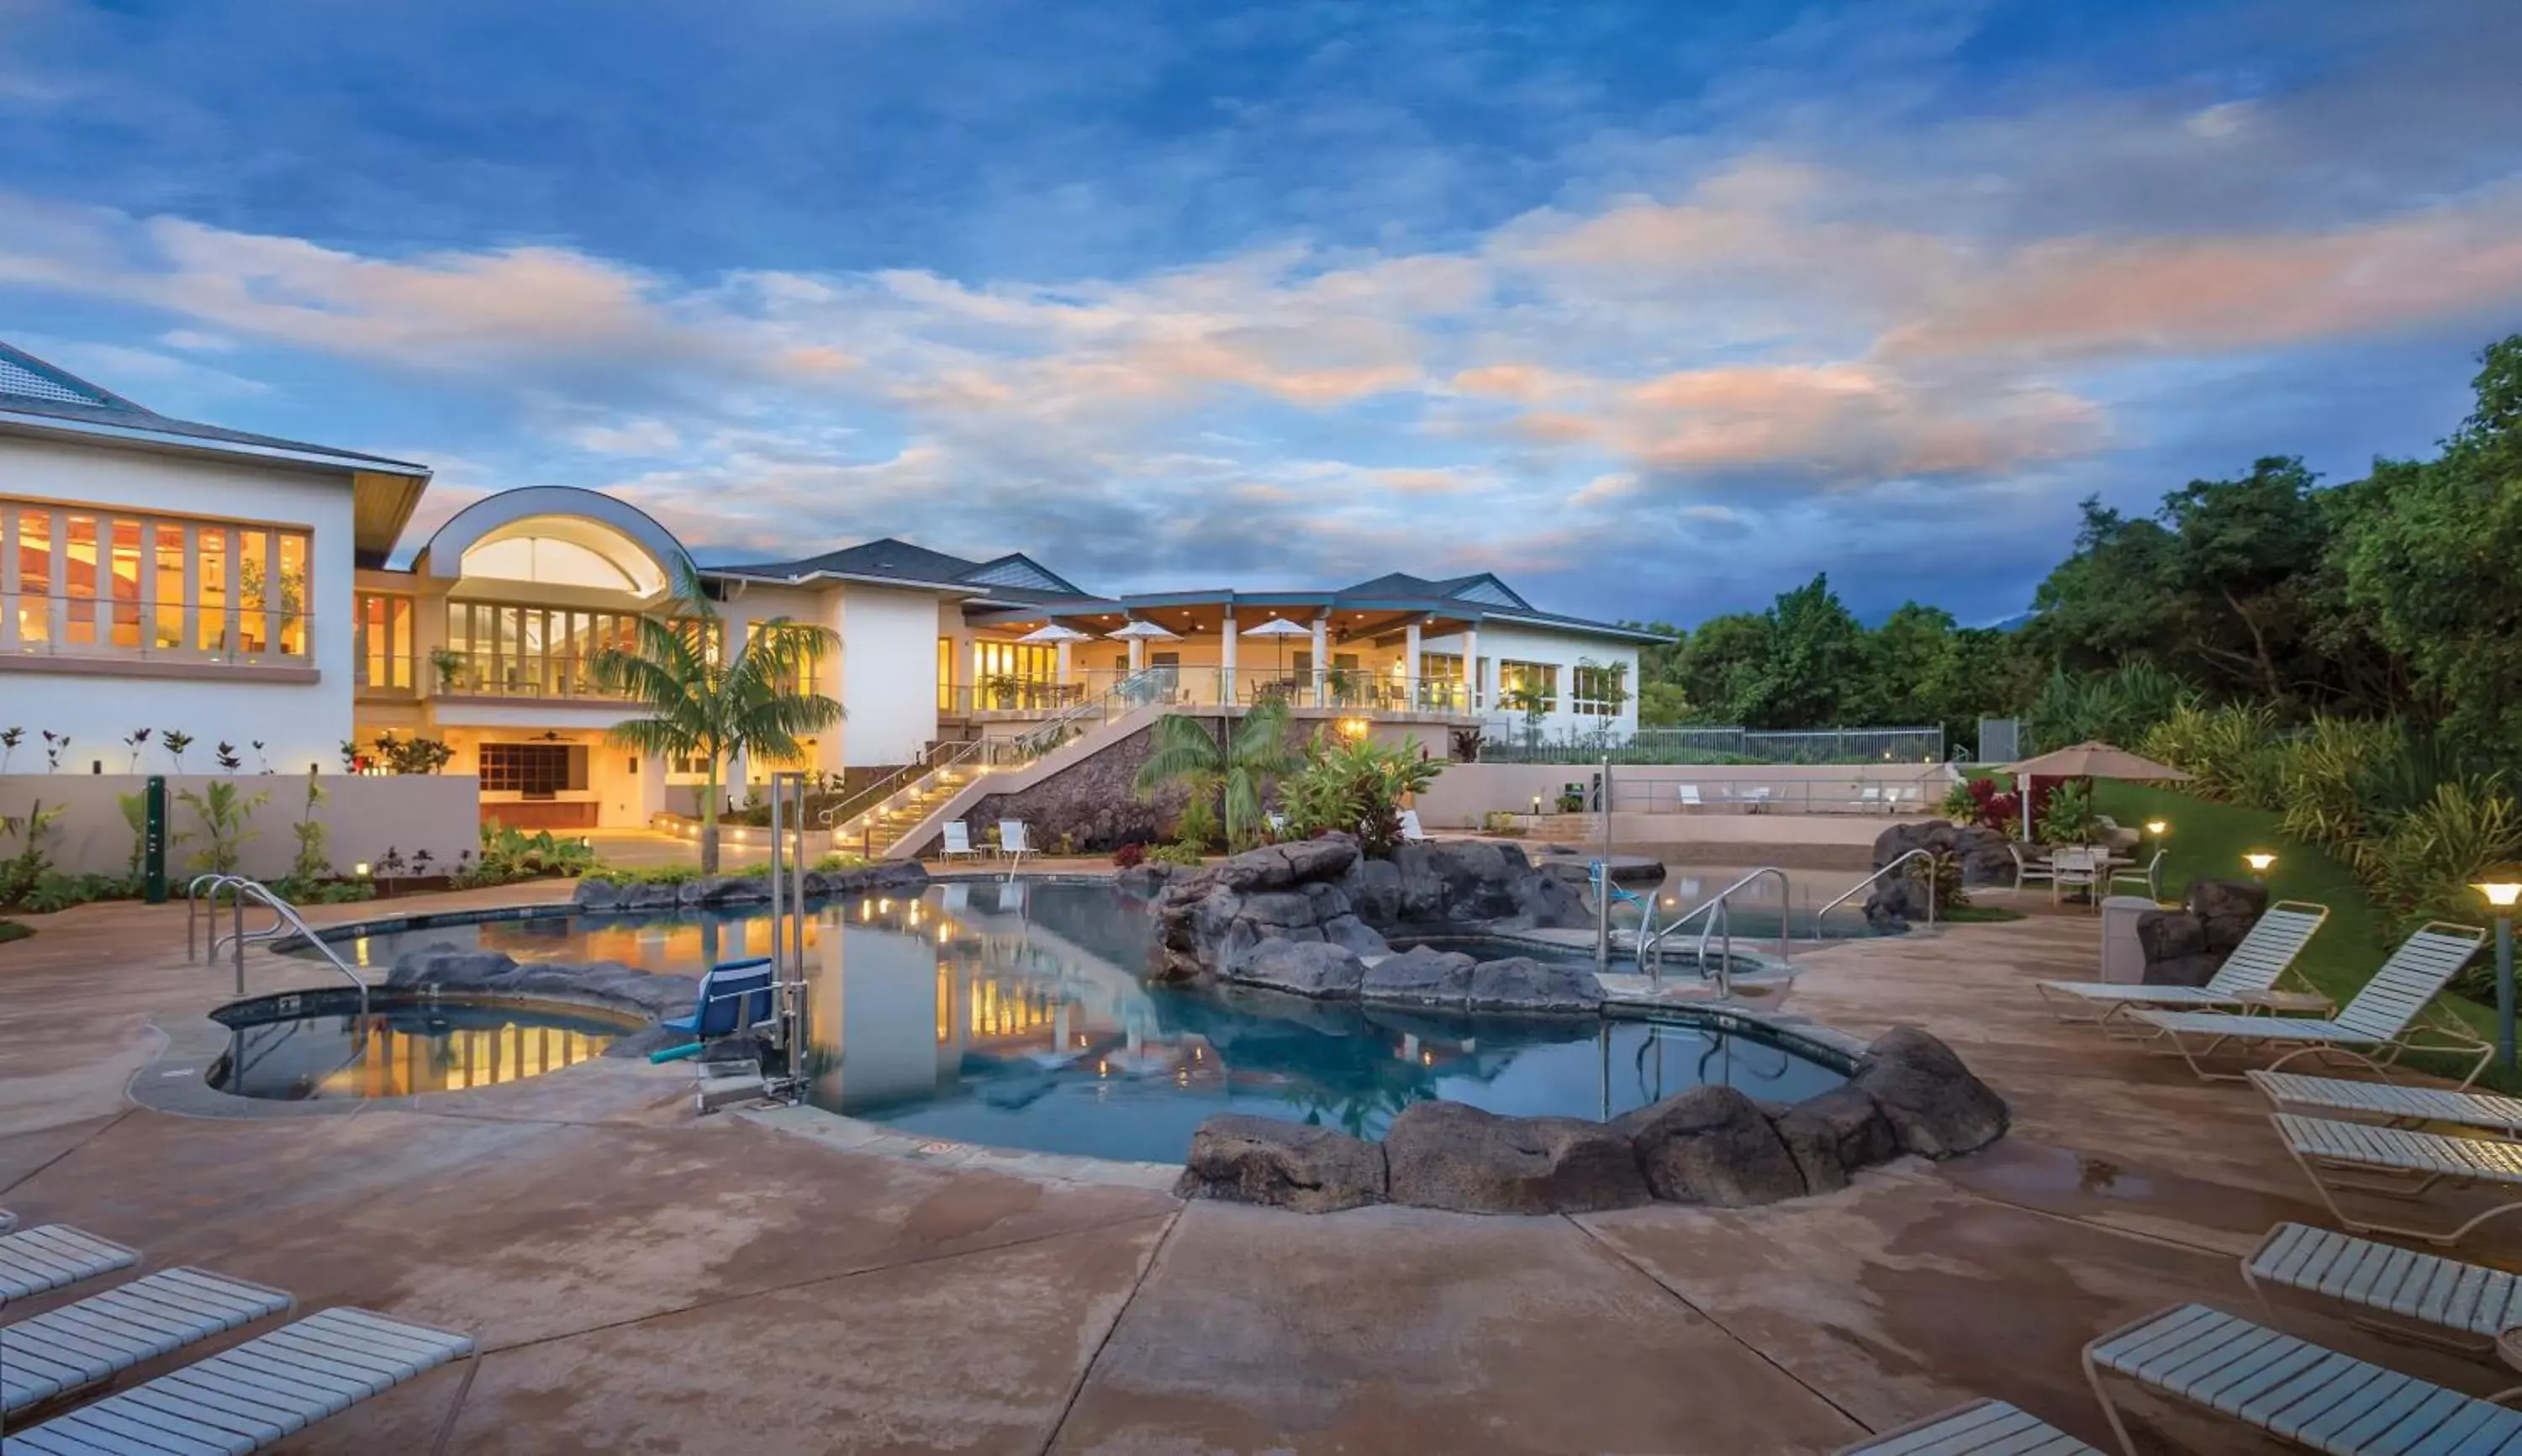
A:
(1411, 829)
(69, 1350)
(1757, 798)
(2391, 1105)
(2265, 953)
(2397, 1163)
(1690, 797)
(958, 841)
(1869, 797)
(1983, 1428)
(2446, 1301)
(1278, 823)
(2292, 1388)
(1012, 843)
(2381, 1019)
(258, 1393)
(52, 1256)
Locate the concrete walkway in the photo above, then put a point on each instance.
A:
(651, 1283)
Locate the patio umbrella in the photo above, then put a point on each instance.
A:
(1282, 628)
(2088, 760)
(1053, 632)
(1139, 633)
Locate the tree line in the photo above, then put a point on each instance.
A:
(2395, 595)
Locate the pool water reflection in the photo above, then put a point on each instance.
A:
(319, 1045)
(1015, 1013)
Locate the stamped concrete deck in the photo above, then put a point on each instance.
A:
(649, 1283)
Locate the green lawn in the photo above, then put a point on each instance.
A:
(11, 930)
(2207, 841)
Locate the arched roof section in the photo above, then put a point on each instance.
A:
(557, 535)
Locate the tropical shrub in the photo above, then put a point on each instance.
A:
(1130, 856)
(2121, 706)
(221, 810)
(2324, 777)
(1229, 771)
(1195, 826)
(511, 854)
(1185, 854)
(2215, 744)
(2066, 816)
(24, 869)
(1356, 784)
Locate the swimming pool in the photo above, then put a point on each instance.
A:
(1018, 1015)
(318, 1046)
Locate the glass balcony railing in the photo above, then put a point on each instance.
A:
(500, 675)
(38, 624)
(1332, 689)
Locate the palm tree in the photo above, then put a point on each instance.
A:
(707, 705)
(1236, 761)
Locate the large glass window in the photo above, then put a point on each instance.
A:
(385, 651)
(506, 650)
(1528, 686)
(535, 769)
(100, 582)
(1599, 691)
(30, 592)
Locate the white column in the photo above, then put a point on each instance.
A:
(1063, 663)
(1410, 663)
(1138, 654)
(1475, 691)
(1322, 656)
(1226, 660)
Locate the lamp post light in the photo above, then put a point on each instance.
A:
(2260, 859)
(2503, 889)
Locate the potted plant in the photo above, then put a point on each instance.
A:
(449, 664)
(1002, 689)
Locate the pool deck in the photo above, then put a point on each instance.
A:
(648, 1282)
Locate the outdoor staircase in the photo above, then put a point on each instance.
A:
(880, 828)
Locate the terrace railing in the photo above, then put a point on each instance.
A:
(1515, 740)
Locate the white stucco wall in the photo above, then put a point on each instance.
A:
(1499, 642)
(888, 673)
(298, 723)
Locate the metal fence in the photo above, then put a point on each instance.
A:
(1507, 742)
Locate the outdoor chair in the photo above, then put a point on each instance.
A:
(66, 1350)
(2397, 1164)
(1276, 823)
(1869, 797)
(1983, 1428)
(2429, 1297)
(258, 1393)
(733, 997)
(2381, 1020)
(53, 1256)
(2388, 1102)
(1758, 798)
(958, 841)
(2151, 876)
(2266, 953)
(1012, 843)
(2075, 867)
(1690, 797)
(2291, 1388)
(8, 1220)
(2027, 869)
(1411, 829)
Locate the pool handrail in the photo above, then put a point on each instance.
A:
(1718, 913)
(242, 888)
(1915, 853)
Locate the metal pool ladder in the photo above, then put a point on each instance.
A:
(1720, 925)
(1915, 853)
(202, 894)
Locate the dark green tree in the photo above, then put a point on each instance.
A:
(1816, 657)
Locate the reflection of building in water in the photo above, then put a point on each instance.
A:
(905, 993)
(391, 1063)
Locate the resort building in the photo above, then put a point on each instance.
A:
(235, 588)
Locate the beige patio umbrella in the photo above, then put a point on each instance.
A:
(2088, 760)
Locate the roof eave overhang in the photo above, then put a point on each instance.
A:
(194, 444)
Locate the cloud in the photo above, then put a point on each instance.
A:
(631, 438)
(2077, 298)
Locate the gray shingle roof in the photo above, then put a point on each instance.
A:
(1008, 578)
(28, 386)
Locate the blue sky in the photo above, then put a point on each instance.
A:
(1655, 309)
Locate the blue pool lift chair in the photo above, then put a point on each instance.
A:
(735, 996)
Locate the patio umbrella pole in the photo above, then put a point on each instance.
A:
(1603, 887)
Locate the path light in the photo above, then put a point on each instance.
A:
(2259, 859)
(360, 870)
(2158, 828)
(2502, 887)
